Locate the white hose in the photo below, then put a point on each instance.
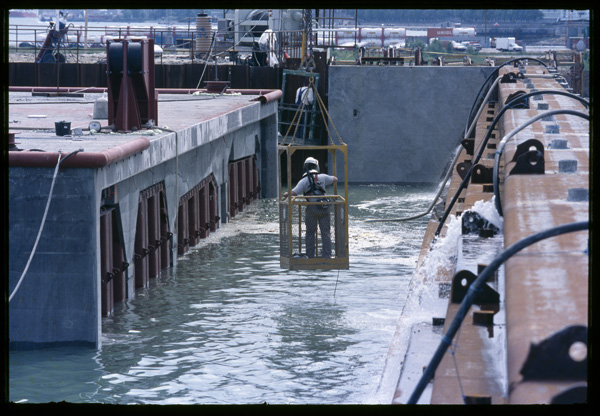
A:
(39, 232)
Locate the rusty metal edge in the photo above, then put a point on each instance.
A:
(81, 159)
(264, 96)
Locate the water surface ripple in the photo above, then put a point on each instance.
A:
(229, 326)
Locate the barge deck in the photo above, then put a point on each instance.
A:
(526, 340)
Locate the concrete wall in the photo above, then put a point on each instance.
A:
(59, 300)
(401, 124)
(198, 161)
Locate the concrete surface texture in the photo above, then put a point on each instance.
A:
(401, 124)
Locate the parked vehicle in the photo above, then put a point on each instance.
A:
(457, 46)
(505, 44)
(473, 44)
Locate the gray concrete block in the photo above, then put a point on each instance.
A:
(401, 124)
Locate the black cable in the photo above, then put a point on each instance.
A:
(448, 171)
(69, 155)
(472, 292)
(492, 75)
(487, 137)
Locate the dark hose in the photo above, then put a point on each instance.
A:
(465, 180)
(473, 290)
(493, 74)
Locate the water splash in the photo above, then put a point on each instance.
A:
(443, 253)
(487, 209)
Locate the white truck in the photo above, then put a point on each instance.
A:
(505, 44)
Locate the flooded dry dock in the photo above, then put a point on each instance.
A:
(128, 203)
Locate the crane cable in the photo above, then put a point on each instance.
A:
(308, 65)
(308, 62)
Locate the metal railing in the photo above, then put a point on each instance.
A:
(78, 41)
(173, 42)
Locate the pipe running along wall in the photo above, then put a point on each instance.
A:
(106, 157)
(81, 159)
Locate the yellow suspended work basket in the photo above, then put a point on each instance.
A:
(296, 212)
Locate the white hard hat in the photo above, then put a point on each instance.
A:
(311, 160)
(311, 164)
